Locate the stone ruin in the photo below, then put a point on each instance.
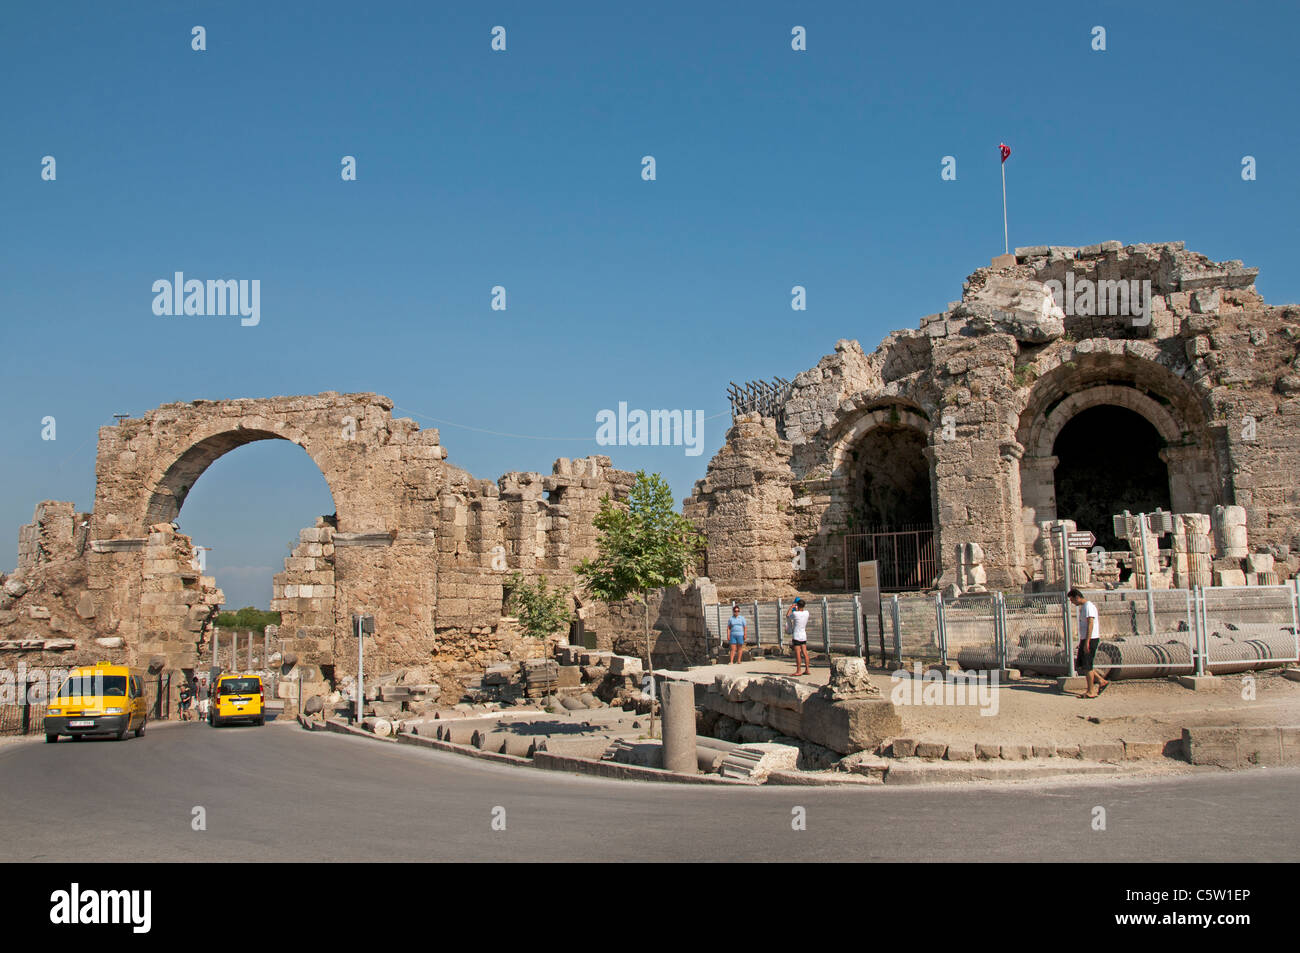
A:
(415, 541)
(1067, 384)
(970, 437)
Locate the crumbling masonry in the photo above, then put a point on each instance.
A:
(1023, 404)
(1007, 415)
(415, 541)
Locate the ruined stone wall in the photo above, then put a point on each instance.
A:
(679, 635)
(988, 385)
(419, 544)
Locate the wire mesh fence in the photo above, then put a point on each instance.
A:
(1143, 633)
(22, 719)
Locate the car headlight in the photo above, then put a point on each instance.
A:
(51, 711)
(113, 711)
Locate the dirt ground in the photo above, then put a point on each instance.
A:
(1034, 711)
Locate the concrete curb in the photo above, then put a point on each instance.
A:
(343, 728)
(409, 738)
(947, 773)
(628, 772)
(1243, 747)
(841, 779)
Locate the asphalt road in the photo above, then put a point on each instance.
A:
(285, 794)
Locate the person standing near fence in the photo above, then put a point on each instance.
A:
(797, 626)
(737, 629)
(1089, 639)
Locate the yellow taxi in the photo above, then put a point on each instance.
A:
(99, 699)
(237, 698)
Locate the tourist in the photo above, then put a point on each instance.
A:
(736, 632)
(797, 624)
(1089, 639)
(187, 695)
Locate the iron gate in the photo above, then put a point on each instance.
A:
(906, 557)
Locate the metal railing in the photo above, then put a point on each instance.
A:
(906, 557)
(1195, 630)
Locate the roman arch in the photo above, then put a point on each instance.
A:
(881, 496)
(384, 475)
(1139, 416)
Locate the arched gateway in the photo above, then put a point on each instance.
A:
(1182, 392)
(384, 475)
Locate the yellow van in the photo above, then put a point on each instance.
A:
(237, 698)
(99, 699)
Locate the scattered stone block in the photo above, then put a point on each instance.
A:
(902, 748)
(961, 752)
(1143, 750)
(753, 762)
(986, 752)
(1102, 751)
(931, 750)
(625, 665)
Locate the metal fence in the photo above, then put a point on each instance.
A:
(22, 719)
(1143, 632)
(906, 557)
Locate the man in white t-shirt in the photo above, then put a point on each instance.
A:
(1089, 639)
(797, 624)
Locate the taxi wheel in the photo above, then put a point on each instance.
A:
(51, 739)
(120, 735)
(139, 732)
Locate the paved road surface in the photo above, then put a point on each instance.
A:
(281, 793)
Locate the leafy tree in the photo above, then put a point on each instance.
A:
(542, 611)
(643, 545)
(248, 618)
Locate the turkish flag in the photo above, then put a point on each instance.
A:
(1005, 150)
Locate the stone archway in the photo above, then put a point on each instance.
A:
(1145, 388)
(882, 495)
(384, 475)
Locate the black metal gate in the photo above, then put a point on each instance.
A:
(906, 556)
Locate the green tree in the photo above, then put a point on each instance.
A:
(541, 611)
(643, 545)
(248, 618)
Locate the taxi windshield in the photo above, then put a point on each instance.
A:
(94, 685)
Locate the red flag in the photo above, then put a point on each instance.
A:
(1005, 150)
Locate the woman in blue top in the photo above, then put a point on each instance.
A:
(736, 634)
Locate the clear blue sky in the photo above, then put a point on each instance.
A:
(522, 169)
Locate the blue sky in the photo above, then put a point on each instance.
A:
(522, 169)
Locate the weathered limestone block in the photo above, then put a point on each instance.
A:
(774, 691)
(625, 665)
(732, 687)
(1022, 308)
(850, 725)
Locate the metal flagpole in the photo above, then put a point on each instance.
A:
(1006, 245)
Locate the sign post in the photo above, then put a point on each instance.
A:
(365, 625)
(1065, 601)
